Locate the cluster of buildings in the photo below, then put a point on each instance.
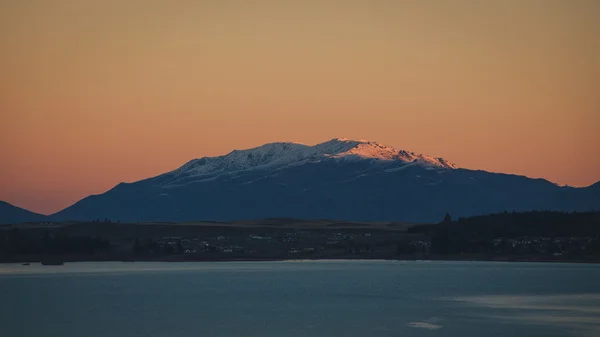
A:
(421, 245)
(340, 237)
(197, 245)
(292, 243)
(298, 251)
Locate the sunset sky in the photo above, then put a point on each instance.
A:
(93, 93)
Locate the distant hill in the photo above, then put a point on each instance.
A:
(341, 179)
(10, 214)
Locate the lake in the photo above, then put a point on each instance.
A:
(300, 298)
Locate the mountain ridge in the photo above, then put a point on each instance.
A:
(338, 179)
(342, 179)
(282, 153)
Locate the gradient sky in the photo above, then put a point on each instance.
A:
(93, 93)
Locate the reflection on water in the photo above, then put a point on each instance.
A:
(579, 312)
(424, 325)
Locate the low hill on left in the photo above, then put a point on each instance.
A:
(10, 214)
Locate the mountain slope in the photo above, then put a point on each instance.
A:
(340, 179)
(10, 214)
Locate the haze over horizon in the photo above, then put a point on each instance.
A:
(94, 93)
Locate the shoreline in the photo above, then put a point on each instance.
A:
(308, 259)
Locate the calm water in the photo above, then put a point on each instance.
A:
(325, 298)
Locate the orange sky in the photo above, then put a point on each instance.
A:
(93, 93)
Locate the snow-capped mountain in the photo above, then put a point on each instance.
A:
(338, 179)
(285, 154)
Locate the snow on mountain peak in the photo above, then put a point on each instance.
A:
(343, 147)
(288, 153)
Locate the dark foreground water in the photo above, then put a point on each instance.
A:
(324, 298)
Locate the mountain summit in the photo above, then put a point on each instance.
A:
(339, 179)
(346, 148)
(286, 154)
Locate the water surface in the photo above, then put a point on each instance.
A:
(302, 298)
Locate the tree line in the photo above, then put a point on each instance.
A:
(476, 234)
(16, 241)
